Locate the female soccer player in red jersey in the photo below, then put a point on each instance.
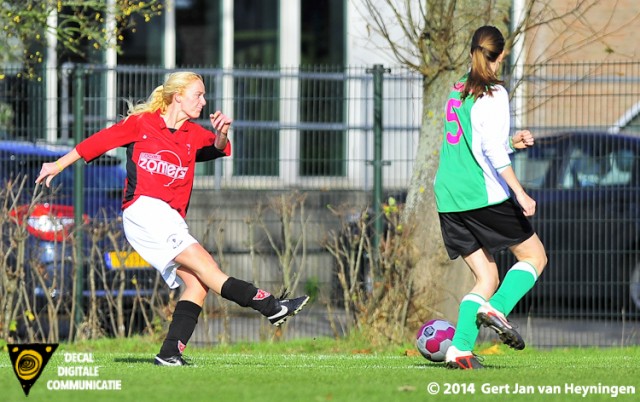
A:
(163, 146)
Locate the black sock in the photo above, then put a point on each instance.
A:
(247, 295)
(185, 318)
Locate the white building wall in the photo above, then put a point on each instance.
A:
(362, 50)
(290, 36)
(365, 48)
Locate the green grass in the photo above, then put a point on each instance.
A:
(328, 370)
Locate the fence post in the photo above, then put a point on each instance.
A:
(78, 189)
(378, 71)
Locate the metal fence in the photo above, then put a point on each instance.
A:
(590, 292)
(593, 96)
(311, 130)
(293, 128)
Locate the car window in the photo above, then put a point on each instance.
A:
(620, 168)
(532, 167)
(103, 174)
(588, 168)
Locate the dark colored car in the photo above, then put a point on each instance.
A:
(51, 220)
(587, 188)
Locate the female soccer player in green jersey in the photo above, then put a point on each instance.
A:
(475, 187)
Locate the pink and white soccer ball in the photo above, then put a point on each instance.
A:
(434, 338)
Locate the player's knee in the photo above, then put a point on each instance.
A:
(543, 263)
(495, 282)
(540, 261)
(489, 284)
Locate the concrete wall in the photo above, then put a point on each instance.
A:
(220, 221)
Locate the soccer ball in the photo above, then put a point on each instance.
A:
(434, 338)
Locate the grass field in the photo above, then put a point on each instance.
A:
(328, 370)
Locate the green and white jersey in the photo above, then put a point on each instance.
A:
(475, 149)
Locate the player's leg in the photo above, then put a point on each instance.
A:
(522, 276)
(184, 321)
(197, 260)
(518, 281)
(497, 227)
(485, 271)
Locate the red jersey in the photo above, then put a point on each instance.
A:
(160, 163)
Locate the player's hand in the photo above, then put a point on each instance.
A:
(48, 172)
(527, 203)
(220, 122)
(522, 139)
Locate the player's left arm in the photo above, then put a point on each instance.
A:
(221, 124)
(521, 139)
(492, 124)
(216, 145)
(209, 153)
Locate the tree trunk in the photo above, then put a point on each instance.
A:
(439, 283)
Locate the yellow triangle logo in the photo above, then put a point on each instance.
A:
(28, 361)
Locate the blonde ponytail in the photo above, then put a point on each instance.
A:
(162, 96)
(153, 103)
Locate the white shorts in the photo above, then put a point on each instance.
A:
(158, 233)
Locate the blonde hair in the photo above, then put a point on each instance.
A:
(162, 96)
(487, 45)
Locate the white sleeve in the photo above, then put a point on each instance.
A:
(490, 118)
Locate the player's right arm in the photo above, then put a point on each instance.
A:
(117, 135)
(51, 169)
(527, 203)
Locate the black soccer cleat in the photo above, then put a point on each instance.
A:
(176, 360)
(489, 317)
(288, 308)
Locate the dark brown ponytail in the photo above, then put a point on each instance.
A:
(486, 46)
